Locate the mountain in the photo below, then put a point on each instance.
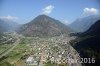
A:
(83, 24)
(7, 25)
(88, 44)
(44, 26)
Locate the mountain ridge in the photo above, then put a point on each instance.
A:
(43, 25)
(84, 23)
(89, 47)
(7, 26)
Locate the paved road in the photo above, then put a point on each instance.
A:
(6, 41)
(43, 56)
(15, 44)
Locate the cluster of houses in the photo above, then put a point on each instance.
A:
(47, 52)
(31, 61)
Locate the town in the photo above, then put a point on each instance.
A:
(35, 51)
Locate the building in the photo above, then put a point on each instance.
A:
(31, 61)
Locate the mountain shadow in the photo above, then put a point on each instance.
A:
(88, 44)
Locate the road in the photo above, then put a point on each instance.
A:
(43, 56)
(14, 45)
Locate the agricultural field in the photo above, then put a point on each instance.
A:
(17, 54)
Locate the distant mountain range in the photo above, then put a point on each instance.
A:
(88, 44)
(7, 25)
(83, 24)
(43, 26)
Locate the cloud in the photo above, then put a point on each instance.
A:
(9, 17)
(90, 11)
(66, 22)
(48, 9)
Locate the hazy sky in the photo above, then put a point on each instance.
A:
(23, 11)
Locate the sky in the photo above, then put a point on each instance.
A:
(23, 11)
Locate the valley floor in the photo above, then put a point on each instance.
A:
(35, 51)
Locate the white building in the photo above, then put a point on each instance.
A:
(31, 61)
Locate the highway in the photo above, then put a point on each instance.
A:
(14, 45)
